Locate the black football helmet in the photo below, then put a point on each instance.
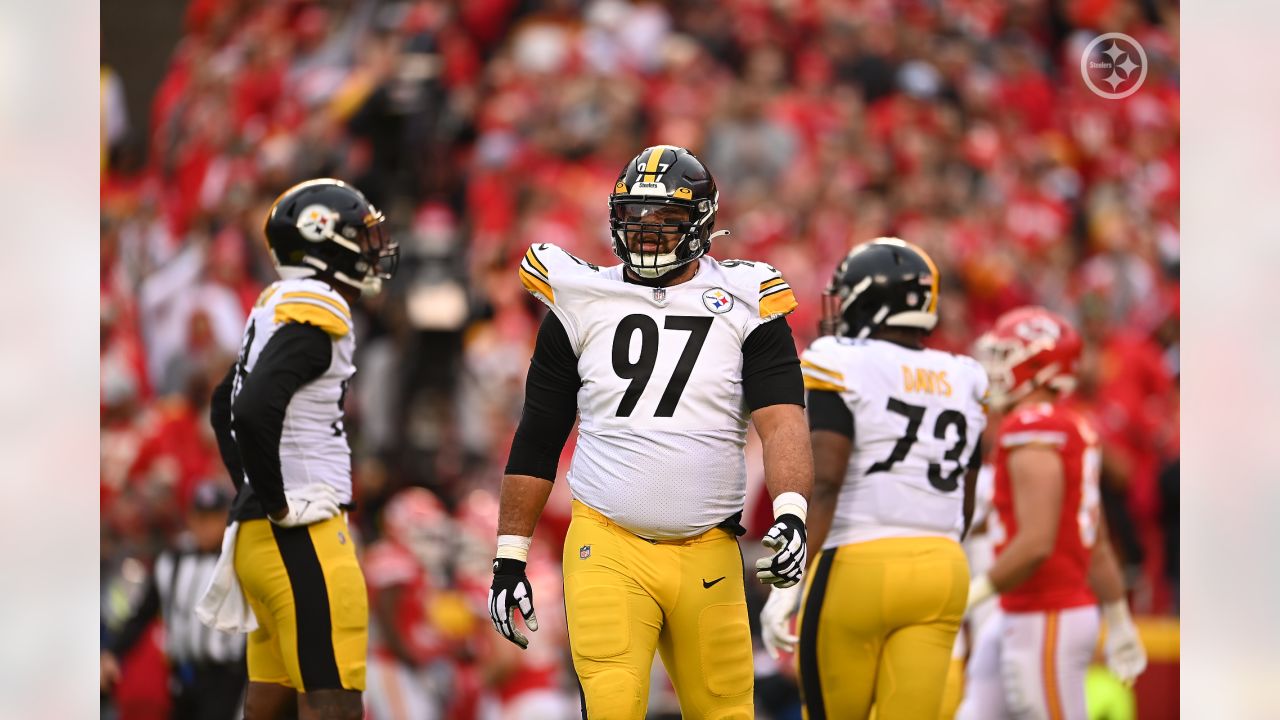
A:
(664, 176)
(884, 282)
(325, 228)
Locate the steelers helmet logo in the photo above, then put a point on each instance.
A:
(317, 222)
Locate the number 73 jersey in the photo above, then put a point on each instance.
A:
(662, 418)
(917, 417)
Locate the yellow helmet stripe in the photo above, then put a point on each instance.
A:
(933, 270)
(651, 167)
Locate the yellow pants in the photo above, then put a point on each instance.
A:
(876, 627)
(308, 593)
(626, 597)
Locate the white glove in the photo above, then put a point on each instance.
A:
(775, 619)
(980, 590)
(1126, 658)
(311, 504)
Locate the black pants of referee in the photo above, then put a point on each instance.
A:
(207, 691)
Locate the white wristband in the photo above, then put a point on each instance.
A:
(791, 502)
(980, 589)
(514, 547)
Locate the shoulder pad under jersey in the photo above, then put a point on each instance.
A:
(308, 301)
(546, 267)
(762, 285)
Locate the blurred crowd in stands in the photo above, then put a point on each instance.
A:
(481, 126)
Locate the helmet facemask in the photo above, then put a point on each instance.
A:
(654, 237)
(379, 254)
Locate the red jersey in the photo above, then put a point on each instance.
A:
(1062, 581)
(388, 564)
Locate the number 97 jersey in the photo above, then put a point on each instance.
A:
(916, 419)
(662, 416)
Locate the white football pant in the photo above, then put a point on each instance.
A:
(1031, 666)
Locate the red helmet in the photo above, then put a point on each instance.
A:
(414, 515)
(1029, 347)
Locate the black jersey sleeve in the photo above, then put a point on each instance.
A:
(220, 420)
(295, 355)
(828, 411)
(771, 368)
(550, 404)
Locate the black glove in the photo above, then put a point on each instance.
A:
(511, 590)
(787, 539)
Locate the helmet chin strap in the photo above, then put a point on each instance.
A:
(369, 286)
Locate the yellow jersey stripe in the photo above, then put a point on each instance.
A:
(651, 166)
(340, 307)
(537, 264)
(814, 366)
(780, 287)
(535, 284)
(771, 283)
(779, 303)
(323, 318)
(813, 383)
(265, 295)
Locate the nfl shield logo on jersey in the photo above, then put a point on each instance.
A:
(660, 295)
(717, 301)
(584, 552)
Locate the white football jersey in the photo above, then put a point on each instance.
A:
(661, 416)
(917, 417)
(313, 442)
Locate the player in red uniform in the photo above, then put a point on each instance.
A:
(408, 675)
(1054, 565)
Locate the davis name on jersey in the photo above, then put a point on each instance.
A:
(917, 417)
(1062, 580)
(661, 416)
(313, 443)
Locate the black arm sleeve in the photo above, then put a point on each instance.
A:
(139, 621)
(771, 368)
(220, 419)
(828, 411)
(297, 354)
(550, 404)
(975, 460)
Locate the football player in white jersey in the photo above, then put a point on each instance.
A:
(894, 428)
(663, 359)
(278, 418)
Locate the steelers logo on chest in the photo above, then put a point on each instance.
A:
(717, 301)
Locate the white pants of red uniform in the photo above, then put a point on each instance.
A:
(395, 691)
(1031, 666)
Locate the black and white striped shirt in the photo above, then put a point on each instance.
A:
(179, 578)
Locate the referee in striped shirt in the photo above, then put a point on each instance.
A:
(206, 667)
